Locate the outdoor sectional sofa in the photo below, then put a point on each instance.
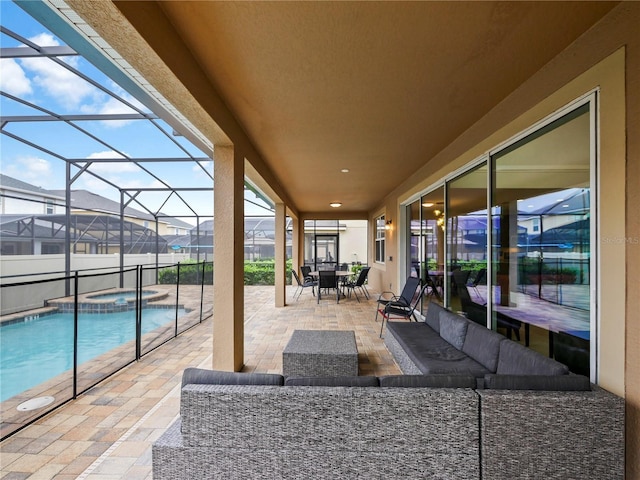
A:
(264, 426)
(537, 420)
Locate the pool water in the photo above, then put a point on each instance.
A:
(35, 351)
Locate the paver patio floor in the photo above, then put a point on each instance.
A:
(107, 433)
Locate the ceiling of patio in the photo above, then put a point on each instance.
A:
(378, 88)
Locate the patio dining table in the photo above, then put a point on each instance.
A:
(340, 274)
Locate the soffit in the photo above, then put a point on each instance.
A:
(375, 87)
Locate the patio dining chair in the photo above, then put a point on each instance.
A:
(327, 280)
(358, 283)
(480, 277)
(306, 272)
(301, 285)
(400, 310)
(430, 282)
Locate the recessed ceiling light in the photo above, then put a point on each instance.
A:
(530, 206)
(335, 204)
(427, 205)
(345, 170)
(565, 205)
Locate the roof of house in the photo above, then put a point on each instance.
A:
(92, 201)
(11, 183)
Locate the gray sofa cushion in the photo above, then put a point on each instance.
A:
(420, 341)
(360, 381)
(433, 315)
(216, 377)
(516, 359)
(483, 345)
(432, 381)
(563, 383)
(431, 353)
(464, 366)
(453, 328)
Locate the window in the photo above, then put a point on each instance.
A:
(50, 249)
(49, 209)
(466, 236)
(380, 238)
(524, 266)
(541, 245)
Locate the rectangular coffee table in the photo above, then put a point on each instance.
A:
(320, 353)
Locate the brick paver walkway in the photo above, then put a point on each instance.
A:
(107, 433)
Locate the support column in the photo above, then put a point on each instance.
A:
(302, 242)
(281, 255)
(296, 254)
(228, 259)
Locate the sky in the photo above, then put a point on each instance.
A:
(50, 86)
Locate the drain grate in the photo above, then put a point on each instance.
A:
(35, 403)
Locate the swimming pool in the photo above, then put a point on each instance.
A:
(34, 351)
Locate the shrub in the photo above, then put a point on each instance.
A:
(261, 272)
(190, 274)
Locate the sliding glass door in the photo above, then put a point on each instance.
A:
(510, 241)
(541, 248)
(466, 231)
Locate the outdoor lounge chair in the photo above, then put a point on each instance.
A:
(400, 310)
(411, 285)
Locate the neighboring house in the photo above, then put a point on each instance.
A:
(18, 197)
(25, 234)
(33, 223)
(347, 238)
(85, 202)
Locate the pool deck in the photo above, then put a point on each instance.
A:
(106, 434)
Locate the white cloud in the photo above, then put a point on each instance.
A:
(114, 106)
(13, 80)
(45, 39)
(30, 169)
(68, 90)
(136, 183)
(208, 166)
(61, 84)
(105, 154)
(123, 174)
(92, 184)
(111, 170)
(108, 105)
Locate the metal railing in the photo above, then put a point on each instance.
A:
(62, 336)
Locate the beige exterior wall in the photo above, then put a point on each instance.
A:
(353, 242)
(607, 59)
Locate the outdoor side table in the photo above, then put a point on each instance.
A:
(319, 353)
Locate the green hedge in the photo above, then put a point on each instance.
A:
(263, 272)
(255, 273)
(190, 274)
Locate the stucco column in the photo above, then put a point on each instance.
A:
(281, 255)
(296, 251)
(228, 258)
